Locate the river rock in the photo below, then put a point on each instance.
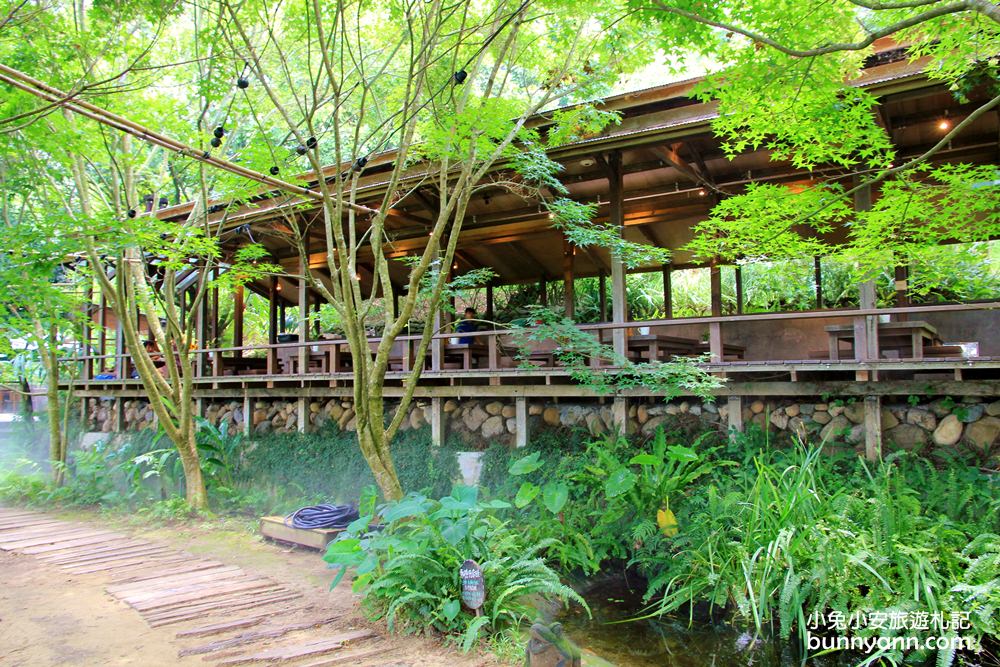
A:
(263, 427)
(508, 411)
(822, 417)
(596, 425)
(511, 425)
(653, 423)
(450, 406)
(336, 412)
(695, 410)
(573, 415)
(642, 414)
(925, 419)
(672, 409)
(940, 407)
(948, 432)
(855, 412)
(493, 426)
(983, 434)
(797, 427)
(889, 419)
(779, 419)
(835, 410)
(835, 428)
(710, 406)
(474, 418)
(494, 408)
(792, 410)
(535, 410)
(345, 419)
(551, 416)
(907, 436)
(757, 407)
(970, 413)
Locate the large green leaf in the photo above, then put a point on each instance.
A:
(523, 466)
(555, 495)
(620, 481)
(645, 460)
(526, 494)
(681, 453)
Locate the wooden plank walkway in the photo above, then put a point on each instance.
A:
(219, 611)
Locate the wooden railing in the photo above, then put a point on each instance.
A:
(291, 358)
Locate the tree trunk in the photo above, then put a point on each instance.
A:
(375, 448)
(57, 452)
(194, 482)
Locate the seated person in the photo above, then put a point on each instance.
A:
(466, 324)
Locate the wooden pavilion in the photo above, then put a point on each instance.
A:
(655, 175)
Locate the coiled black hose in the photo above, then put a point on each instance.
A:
(322, 516)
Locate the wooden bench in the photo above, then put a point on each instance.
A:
(273, 527)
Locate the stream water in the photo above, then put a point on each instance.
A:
(666, 642)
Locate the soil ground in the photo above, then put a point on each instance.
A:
(49, 618)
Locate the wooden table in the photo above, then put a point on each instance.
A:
(467, 354)
(658, 347)
(907, 336)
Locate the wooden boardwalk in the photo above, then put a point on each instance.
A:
(219, 611)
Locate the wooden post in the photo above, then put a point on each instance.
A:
(569, 297)
(247, 415)
(302, 414)
(200, 328)
(303, 349)
(734, 408)
(715, 328)
(619, 415)
(873, 428)
(738, 279)
(437, 421)
(215, 333)
(272, 326)
(668, 298)
(602, 286)
(818, 280)
(120, 364)
(901, 283)
(238, 307)
(616, 218)
(544, 298)
(865, 328)
(521, 421)
(87, 349)
(119, 415)
(102, 335)
(489, 315)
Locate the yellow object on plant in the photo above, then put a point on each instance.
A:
(666, 520)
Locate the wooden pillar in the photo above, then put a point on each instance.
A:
(715, 328)
(437, 421)
(734, 409)
(120, 364)
(738, 279)
(216, 334)
(119, 414)
(865, 328)
(873, 428)
(247, 415)
(302, 414)
(86, 334)
(303, 349)
(489, 303)
(521, 421)
(272, 326)
(238, 307)
(901, 283)
(544, 298)
(569, 298)
(818, 280)
(200, 329)
(668, 298)
(102, 334)
(602, 286)
(616, 218)
(619, 415)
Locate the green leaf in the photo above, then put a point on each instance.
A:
(525, 494)
(621, 481)
(645, 460)
(555, 495)
(450, 609)
(528, 464)
(681, 453)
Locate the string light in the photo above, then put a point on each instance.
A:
(944, 124)
(701, 193)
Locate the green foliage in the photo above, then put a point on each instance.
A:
(408, 568)
(576, 349)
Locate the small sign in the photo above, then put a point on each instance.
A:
(473, 584)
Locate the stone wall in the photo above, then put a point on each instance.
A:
(911, 425)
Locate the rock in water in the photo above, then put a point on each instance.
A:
(548, 647)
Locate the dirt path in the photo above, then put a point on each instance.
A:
(82, 590)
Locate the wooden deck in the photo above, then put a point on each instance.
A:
(223, 612)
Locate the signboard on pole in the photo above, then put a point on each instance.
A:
(473, 585)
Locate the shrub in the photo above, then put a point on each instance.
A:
(408, 569)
